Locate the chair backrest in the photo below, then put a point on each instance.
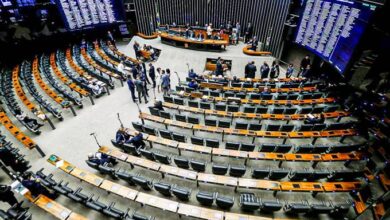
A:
(198, 165)
(212, 143)
(205, 105)
(179, 101)
(249, 109)
(220, 107)
(178, 137)
(181, 118)
(233, 108)
(290, 111)
(282, 96)
(163, 188)
(292, 97)
(255, 127)
(307, 127)
(138, 126)
(165, 134)
(164, 114)
(219, 169)
(229, 94)
(247, 147)
(287, 128)
(270, 205)
(154, 111)
(260, 173)
(268, 147)
(242, 126)
(215, 93)
(205, 198)
(192, 120)
(168, 99)
(142, 182)
(272, 127)
(211, 122)
(305, 148)
(165, 159)
(194, 104)
(148, 154)
(181, 193)
(241, 95)
(224, 124)
(232, 146)
(278, 111)
(182, 162)
(254, 96)
(267, 97)
(319, 127)
(261, 110)
(278, 174)
(149, 130)
(306, 110)
(237, 171)
(283, 148)
(197, 141)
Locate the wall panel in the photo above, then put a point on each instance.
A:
(264, 15)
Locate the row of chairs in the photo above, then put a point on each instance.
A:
(27, 78)
(250, 109)
(11, 157)
(250, 202)
(76, 54)
(14, 212)
(7, 91)
(265, 147)
(46, 70)
(90, 201)
(239, 171)
(99, 60)
(252, 126)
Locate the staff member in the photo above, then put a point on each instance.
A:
(248, 32)
(209, 31)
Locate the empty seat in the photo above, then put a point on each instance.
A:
(212, 143)
(224, 202)
(149, 130)
(297, 208)
(232, 146)
(224, 124)
(142, 182)
(272, 127)
(211, 122)
(163, 188)
(197, 141)
(219, 169)
(194, 104)
(138, 126)
(220, 107)
(331, 108)
(247, 147)
(154, 111)
(181, 118)
(179, 101)
(233, 108)
(205, 105)
(249, 109)
(287, 128)
(237, 171)
(278, 111)
(260, 173)
(307, 127)
(270, 205)
(317, 110)
(165, 159)
(321, 208)
(282, 96)
(205, 198)
(306, 110)
(305, 148)
(306, 96)
(168, 99)
(318, 127)
(215, 93)
(165, 115)
(317, 95)
(278, 174)
(229, 94)
(165, 134)
(182, 162)
(242, 126)
(148, 154)
(178, 137)
(267, 96)
(261, 110)
(193, 120)
(198, 166)
(249, 202)
(290, 111)
(181, 193)
(298, 175)
(320, 149)
(268, 147)
(292, 97)
(346, 175)
(255, 127)
(254, 96)
(283, 148)
(241, 95)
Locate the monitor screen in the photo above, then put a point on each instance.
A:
(332, 29)
(83, 14)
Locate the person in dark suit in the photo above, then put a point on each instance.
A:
(275, 70)
(304, 63)
(137, 50)
(264, 70)
(158, 105)
(35, 187)
(121, 136)
(252, 70)
(152, 74)
(134, 71)
(290, 70)
(130, 83)
(307, 72)
(248, 32)
(246, 71)
(254, 43)
(219, 68)
(137, 140)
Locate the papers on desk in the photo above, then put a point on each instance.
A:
(19, 188)
(310, 116)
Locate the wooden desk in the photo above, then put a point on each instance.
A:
(341, 186)
(301, 186)
(50, 206)
(166, 36)
(87, 177)
(199, 212)
(120, 190)
(157, 202)
(217, 179)
(153, 36)
(229, 153)
(236, 216)
(254, 155)
(249, 52)
(153, 118)
(179, 172)
(162, 141)
(379, 211)
(75, 216)
(141, 162)
(195, 148)
(302, 157)
(258, 184)
(178, 124)
(114, 153)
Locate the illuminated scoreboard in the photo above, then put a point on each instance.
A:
(332, 29)
(80, 14)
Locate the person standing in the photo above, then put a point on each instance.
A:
(248, 32)
(304, 63)
(121, 69)
(165, 82)
(275, 70)
(111, 38)
(264, 70)
(246, 71)
(158, 76)
(137, 50)
(130, 83)
(219, 68)
(238, 27)
(152, 74)
(134, 71)
(139, 85)
(146, 79)
(209, 31)
(252, 70)
(290, 70)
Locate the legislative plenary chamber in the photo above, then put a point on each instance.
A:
(194, 109)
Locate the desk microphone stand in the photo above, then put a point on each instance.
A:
(97, 142)
(120, 121)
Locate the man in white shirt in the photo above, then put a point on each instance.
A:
(209, 31)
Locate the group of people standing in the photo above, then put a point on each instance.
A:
(265, 70)
(138, 81)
